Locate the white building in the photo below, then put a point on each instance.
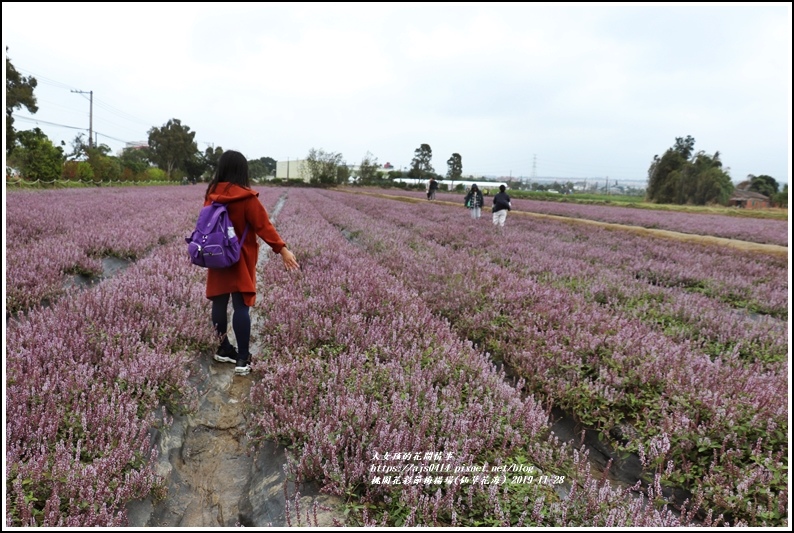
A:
(292, 170)
(297, 169)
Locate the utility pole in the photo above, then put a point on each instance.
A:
(90, 115)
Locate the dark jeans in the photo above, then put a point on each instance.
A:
(241, 321)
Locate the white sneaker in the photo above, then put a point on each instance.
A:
(226, 355)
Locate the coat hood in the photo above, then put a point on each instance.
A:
(230, 192)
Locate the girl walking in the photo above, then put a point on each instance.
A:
(474, 201)
(231, 186)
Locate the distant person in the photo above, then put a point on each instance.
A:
(231, 186)
(474, 201)
(432, 187)
(501, 205)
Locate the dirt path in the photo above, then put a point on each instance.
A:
(770, 249)
(212, 476)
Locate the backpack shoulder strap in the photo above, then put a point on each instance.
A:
(216, 213)
(225, 206)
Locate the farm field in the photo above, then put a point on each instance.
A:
(410, 368)
(745, 228)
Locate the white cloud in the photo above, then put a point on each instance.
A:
(577, 88)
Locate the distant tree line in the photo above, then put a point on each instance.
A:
(171, 153)
(682, 176)
(679, 176)
(325, 168)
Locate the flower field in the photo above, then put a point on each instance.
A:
(758, 230)
(383, 364)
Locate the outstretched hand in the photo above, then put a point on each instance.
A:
(290, 263)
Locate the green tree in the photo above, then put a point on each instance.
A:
(780, 199)
(766, 185)
(106, 167)
(454, 167)
(199, 166)
(172, 147)
(664, 174)
(678, 177)
(270, 165)
(36, 157)
(397, 175)
(368, 170)
(684, 146)
(77, 171)
(342, 173)
(262, 168)
(154, 174)
(211, 156)
(135, 159)
(321, 167)
(19, 93)
(704, 181)
(421, 167)
(195, 166)
(713, 187)
(79, 147)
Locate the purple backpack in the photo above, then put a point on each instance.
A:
(213, 243)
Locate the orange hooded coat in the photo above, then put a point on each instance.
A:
(244, 207)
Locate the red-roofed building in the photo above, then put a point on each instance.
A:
(750, 199)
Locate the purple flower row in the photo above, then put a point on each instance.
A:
(85, 376)
(355, 364)
(360, 359)
(648, 277)
(745, 228)
(52, 234)
(602, 365)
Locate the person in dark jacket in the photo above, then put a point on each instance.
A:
(432, 187)
(501, 205)
(474, 201)
(231, 186)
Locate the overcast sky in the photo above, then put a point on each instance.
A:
(543, 90)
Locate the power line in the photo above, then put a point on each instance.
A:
(120, 113)
(114, 138)
(45, 80)
(99, 103)
(37, 121)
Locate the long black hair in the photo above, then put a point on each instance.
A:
(232, 168)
